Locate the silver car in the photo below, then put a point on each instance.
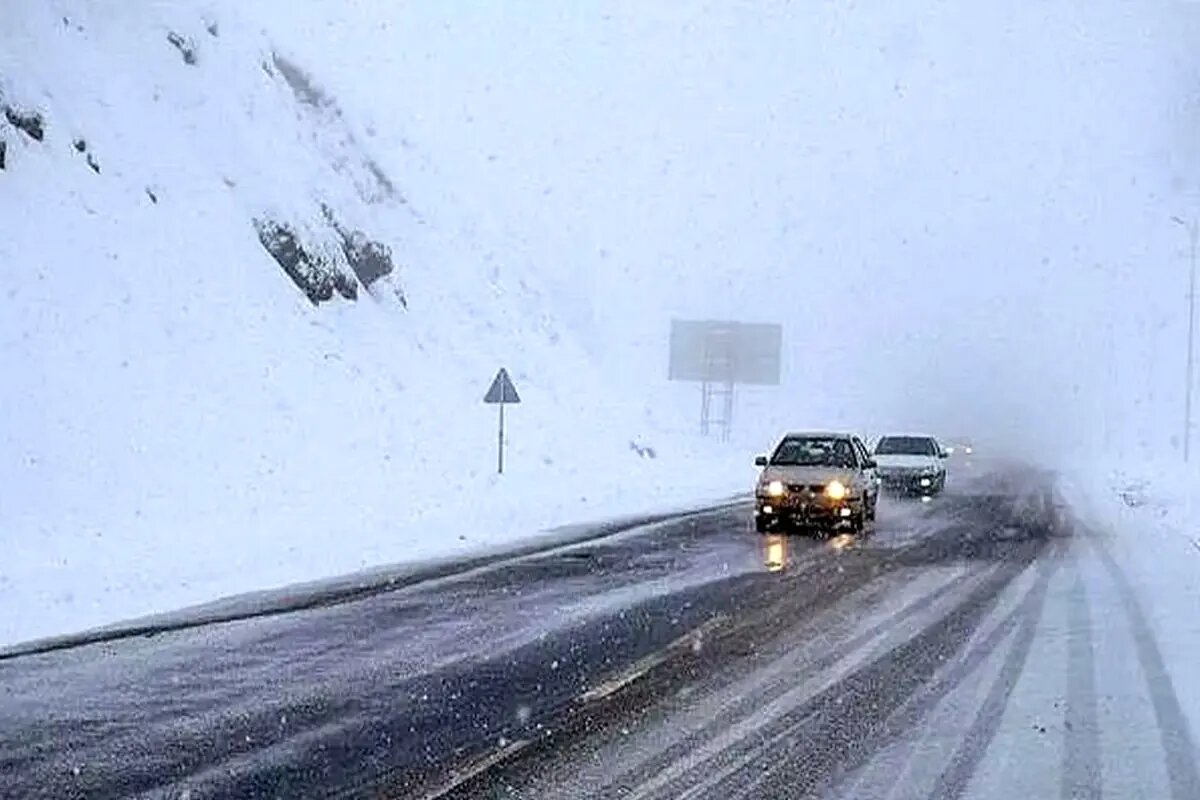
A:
(911, 464)
(816, 480)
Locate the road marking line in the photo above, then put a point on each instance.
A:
(474, 770)
(644, 665)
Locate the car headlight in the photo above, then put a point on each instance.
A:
(836, 490)
(775, 489)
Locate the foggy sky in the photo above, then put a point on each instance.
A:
(958, 211)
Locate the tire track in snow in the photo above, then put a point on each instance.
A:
(1081, 775)
(1178, 745)
(745, 719)
(858, 716)
(955, 779)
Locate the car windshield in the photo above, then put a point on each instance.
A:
(814, 451)
(906, 446)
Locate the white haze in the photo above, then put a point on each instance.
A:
(959, 211)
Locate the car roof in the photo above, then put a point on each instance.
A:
(907, 436)
(819, 435)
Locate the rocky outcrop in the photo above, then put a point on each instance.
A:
(185, 46)
(317, 275)
(369, 259)
(31, 123)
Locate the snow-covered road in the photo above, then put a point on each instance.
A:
(988, 645)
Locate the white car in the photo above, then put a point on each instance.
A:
(911, 464)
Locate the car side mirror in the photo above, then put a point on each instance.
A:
(760, 461)
(871, 463)
(943, 454)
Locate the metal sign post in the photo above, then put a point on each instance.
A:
(719, 355)
(501, 393)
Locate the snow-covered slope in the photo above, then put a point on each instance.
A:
(178, 418)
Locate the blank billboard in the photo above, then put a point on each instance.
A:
(725, 352)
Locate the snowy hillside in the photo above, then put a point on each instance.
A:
(238, 352)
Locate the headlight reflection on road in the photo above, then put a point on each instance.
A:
(775, 553)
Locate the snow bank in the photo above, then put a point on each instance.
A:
(1149, 517)
(187, 412)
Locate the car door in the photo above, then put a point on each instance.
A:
(869, 477)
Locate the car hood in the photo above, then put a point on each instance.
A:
(807, 474)
(904, 461)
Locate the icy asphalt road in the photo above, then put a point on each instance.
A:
(980, 646)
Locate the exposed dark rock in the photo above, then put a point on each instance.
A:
(30, 123)
(385, 183)
(3, 153)
(185, 46)
(80, 145)
(375, 186)
(370, 259)
(301, 83)
(213, 29)
(346, 286)
(153, 197)
(314, 274)
(644, 451)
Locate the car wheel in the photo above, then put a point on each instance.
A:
(762, 524)
(871, 508)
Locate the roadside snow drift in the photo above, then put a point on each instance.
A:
(1148, 514)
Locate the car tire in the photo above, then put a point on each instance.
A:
(762, 524)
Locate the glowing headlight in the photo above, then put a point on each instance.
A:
(775, 489)
(836, 490)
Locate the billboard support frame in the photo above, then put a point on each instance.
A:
(719, 355)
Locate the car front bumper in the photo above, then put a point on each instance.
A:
(912, 482)
(817, 510)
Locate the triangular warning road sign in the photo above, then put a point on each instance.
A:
(502, 390)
